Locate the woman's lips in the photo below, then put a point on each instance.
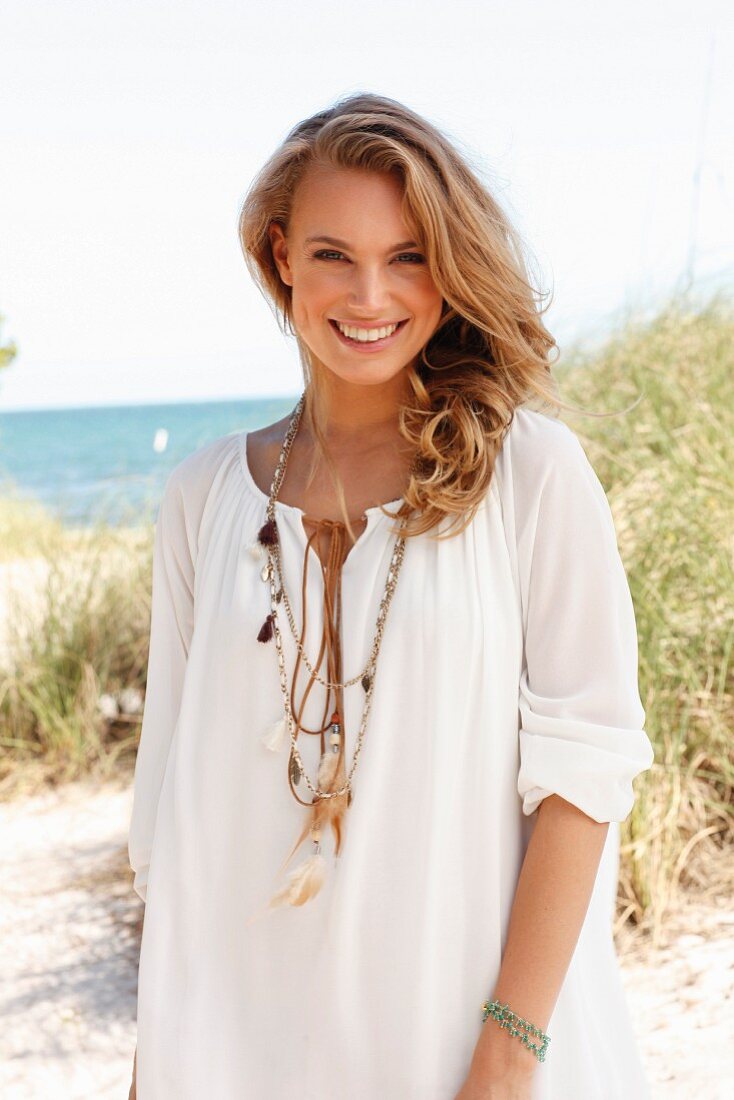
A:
(368, 346)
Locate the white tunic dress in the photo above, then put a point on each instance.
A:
(508, 671)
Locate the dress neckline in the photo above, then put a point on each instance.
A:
(295, 514)
(293, 508)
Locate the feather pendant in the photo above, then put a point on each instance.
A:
(273, 738)
(314, 824)
(332, 776)
(327, 769)
(303, 883)
(338, 808)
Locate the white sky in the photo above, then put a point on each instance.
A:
(131, 130)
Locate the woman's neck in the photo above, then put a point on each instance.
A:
(359, 416)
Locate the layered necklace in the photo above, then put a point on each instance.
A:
(333, 789)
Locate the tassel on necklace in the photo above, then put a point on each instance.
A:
(266, 630)
(268, 533)
(266, 536)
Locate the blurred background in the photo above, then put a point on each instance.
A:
(131, 334)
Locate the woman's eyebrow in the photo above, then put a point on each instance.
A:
(343, 244)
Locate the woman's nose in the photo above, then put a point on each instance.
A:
(369, 290)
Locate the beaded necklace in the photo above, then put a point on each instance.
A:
(333, 792)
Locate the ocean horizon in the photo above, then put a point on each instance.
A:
(110, 462)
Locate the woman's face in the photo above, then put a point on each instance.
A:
(349, 259)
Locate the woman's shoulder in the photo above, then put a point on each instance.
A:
(196, 471)
(534, 436)
(263, 451)
(538, 448)
(217, 467)
(193, 475)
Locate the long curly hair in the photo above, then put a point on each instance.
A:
(490, 352)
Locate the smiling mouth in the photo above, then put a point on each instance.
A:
(365, 342)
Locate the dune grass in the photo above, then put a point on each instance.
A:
(668, 469)
(77, 639)
(26, 529)
(666, 465)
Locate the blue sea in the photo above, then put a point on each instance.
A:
(110, 463)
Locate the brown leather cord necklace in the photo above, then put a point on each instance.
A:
(333, 792)
(330, 641)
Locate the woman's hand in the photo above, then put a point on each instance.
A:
(132, 1095)
(472, 1089)
(501, 1069)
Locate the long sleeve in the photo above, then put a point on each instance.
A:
(171, 627)
(582, 721)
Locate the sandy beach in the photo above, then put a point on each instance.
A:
(69, 943)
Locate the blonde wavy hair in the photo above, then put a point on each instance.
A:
(490, 352)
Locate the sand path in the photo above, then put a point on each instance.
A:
(69, 941)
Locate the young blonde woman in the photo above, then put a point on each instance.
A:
(392, 717)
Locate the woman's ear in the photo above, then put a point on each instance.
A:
(279, 246)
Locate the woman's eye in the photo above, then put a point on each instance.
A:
(327, 254)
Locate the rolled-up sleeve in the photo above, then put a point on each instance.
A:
(582, 721)
(171, 627)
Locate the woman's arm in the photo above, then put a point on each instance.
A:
(171, 628)
(581, 731)
(551, 901)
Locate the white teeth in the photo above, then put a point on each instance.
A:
(366, 335)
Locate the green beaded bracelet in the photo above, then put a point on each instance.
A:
(512, 1023)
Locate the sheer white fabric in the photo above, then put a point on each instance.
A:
(508, 671)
